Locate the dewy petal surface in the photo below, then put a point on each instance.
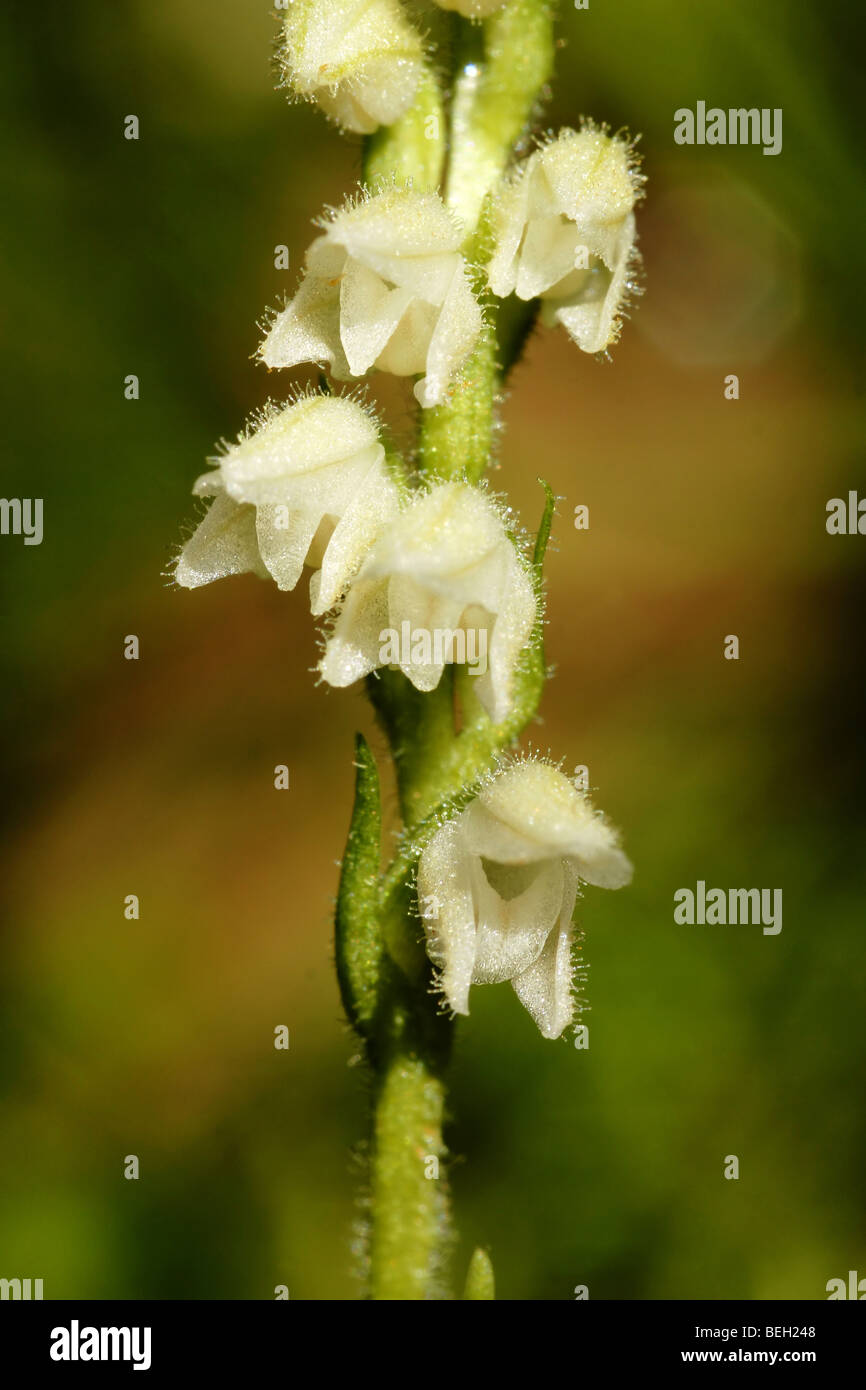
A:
(223, 543)
(544, 989)
(512, 932)
(564, 230)
(307, 485)
(532, 812)
(443, 565)
(446, 905)
(360, 59)
(385, 287)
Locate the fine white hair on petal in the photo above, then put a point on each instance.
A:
(564, 231)
(223, 543)
(444, 577)
(497, 885)
(385, 286)
(532, 811)
(361, 60)
(445, 900)
(307, 485)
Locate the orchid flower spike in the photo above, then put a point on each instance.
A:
(308, 484)
(443, 583)
(564, 231)
(385, 286)
(497, 886)
(359, 59)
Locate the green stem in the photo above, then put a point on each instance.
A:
(413, 149)
(408, 1186)
(408, 1040)
(503, 67)
(409, 1207)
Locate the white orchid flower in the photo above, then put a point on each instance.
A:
(443, 583)
(497, 886)
(307, 485)
(359, 59)
(385, 286)
(564, 231)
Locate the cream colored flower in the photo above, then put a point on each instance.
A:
(359, 59)
(443, 583)
(308, 485)
(385, 286)
(497, 886)
(564, 231)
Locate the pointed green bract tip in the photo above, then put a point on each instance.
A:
(480, 1282)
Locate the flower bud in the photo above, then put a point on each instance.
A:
(308, 484)
(444, 583)
(385, 286)
(564, 231)
(497, 885)
(359, 59)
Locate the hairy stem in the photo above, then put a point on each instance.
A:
(409, 1194)
(502, 68)
(408, 1040)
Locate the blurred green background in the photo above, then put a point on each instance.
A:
(601, 1167)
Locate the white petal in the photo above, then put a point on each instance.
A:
(547, 255)
(361, 59)
(283, 547)
(564, 230)
(224, 543)
(512, 932)
(375, 502)
(510, 215)
(544, 989)
(429, 614)
(410, 239)
(369, 312)
(457, 328)
(512, 629)
(443, 540)
(591, 316)
(405, 353)
(444, 566)
(308, 329)
(530, 812)
(590, 178)
(353, 648)
(446, 905)
(302, 452)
